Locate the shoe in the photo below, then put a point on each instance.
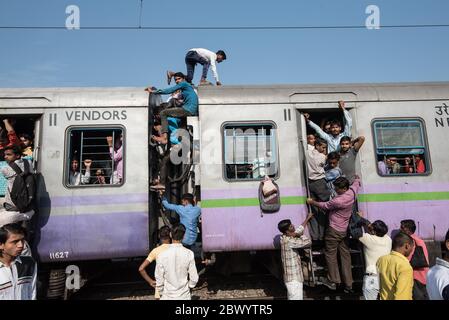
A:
(169, 76)
(348, 290)
(331, 285)
(205, 83)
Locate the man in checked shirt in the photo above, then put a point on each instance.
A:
(291, 240)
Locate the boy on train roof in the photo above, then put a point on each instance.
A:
(333, 138)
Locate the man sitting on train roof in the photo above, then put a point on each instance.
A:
(190, 107)
(333, 138)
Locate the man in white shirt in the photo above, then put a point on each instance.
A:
(175, 270)
(18, 274)
(376, 243)
(204, 57)
(316, 160)
(76, 178)
(438, 276)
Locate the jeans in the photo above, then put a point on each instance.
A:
(320, 220)
(192, 58)
(172, 112)
(370, 287)
(294, 290)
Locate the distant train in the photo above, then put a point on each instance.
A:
(242, 134)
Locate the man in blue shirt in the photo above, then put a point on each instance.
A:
(190, 107)
(188, 216)
(333, 138)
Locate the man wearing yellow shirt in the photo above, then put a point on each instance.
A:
(395, 271)
(164, 236)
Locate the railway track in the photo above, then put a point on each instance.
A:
(212, 286)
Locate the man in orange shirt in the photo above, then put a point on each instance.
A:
(419, 272)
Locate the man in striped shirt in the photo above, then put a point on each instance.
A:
(18, 273)
(291, 240)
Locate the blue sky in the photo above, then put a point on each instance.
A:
(60, 58)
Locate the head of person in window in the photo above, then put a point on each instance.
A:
(394, 165)
(327, 127)
(99, 177)
(408, 165)
(27, 144)
(419, 163)
(335, 128)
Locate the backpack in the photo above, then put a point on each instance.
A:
(24, 188)
(272, 202)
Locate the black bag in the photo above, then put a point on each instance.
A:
(23, 189)
(356, 222)
(418, 259)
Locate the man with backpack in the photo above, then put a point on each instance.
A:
(19, 197)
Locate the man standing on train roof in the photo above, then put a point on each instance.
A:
(333, 138)
(204, 57)
(190, 107)
(189, 214)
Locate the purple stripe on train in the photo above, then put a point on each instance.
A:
(245, 228)
(93, 236)
(69, 201)
(405, 187)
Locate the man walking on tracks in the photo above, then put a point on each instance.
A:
(204, 57)
(291, 240)
(175, 271)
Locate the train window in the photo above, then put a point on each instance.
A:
(250, 151)
(95, 157)
(401, 147)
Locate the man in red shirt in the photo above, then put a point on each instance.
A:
(419, 273)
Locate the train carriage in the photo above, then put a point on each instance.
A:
(243, 133)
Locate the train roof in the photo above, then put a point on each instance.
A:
(235, 94)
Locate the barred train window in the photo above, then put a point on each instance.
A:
(95, 157)
(250, 151)
(401, 147)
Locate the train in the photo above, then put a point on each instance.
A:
(242, 134)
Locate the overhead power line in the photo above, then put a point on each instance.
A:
(408, 26)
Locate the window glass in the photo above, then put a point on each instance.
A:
(401, 147)
(250, 151)
(95, 157)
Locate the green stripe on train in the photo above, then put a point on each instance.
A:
(406, 196)
(374, 197)
(247, 202)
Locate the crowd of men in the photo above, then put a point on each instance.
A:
(396, 269)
